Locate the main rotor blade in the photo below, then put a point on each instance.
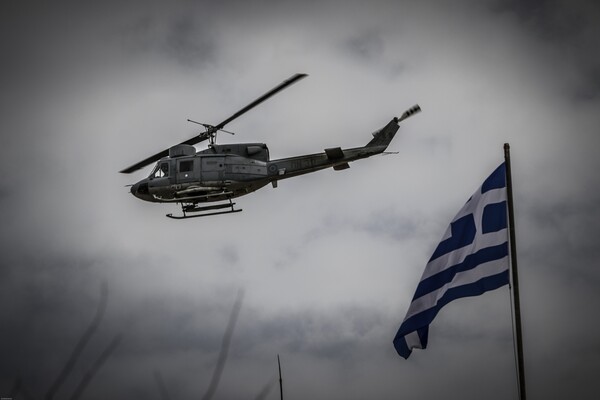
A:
(206, 135)
(164, 153)
(264, 97)
(145, 162)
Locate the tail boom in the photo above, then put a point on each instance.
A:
(336, 157)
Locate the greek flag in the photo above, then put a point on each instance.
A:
(471, 259)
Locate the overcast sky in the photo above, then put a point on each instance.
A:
(328, 262)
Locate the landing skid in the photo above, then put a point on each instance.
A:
(192, 208)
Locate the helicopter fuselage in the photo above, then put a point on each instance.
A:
(217, 173)
(224, 172)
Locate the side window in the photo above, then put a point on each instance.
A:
(186, 166)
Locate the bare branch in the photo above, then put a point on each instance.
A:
(89, 332)
(214, 383)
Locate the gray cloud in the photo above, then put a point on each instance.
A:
(369, 45)
(182, 39)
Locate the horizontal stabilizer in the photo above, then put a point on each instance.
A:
(334, 153)
(340, 167)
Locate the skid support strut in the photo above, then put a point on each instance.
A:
(193, 208)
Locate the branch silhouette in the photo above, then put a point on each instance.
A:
(162, 389)
(264, 392)
(214, 383)
(83, 341)
(18, 388)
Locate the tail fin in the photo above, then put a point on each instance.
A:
(384, 136)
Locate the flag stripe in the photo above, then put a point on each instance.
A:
(491, 196)
(424, 319)
(471, 261)
(430, 300)
(496, 180)
(469, 290)
(459, 256)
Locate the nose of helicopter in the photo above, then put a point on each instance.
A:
(140, 190)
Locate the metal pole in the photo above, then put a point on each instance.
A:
(514, 274)
(280, 380)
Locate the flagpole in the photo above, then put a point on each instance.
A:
(514, 273)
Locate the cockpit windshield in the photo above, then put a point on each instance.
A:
(160, 170)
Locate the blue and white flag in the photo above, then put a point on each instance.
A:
(471, 259)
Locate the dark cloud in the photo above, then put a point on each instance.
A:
(371, 49)
(550, 18)
(571, 28)
(181, 39)
(589, 88)
(368, 46)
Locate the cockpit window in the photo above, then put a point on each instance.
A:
(161, 170)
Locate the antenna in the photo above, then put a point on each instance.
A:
(280, 380)
(211, 131)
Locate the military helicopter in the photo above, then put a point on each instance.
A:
(223, 172)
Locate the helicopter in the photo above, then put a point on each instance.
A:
(223, 172)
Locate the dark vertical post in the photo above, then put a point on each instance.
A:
(514, 274)
(280, 380)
